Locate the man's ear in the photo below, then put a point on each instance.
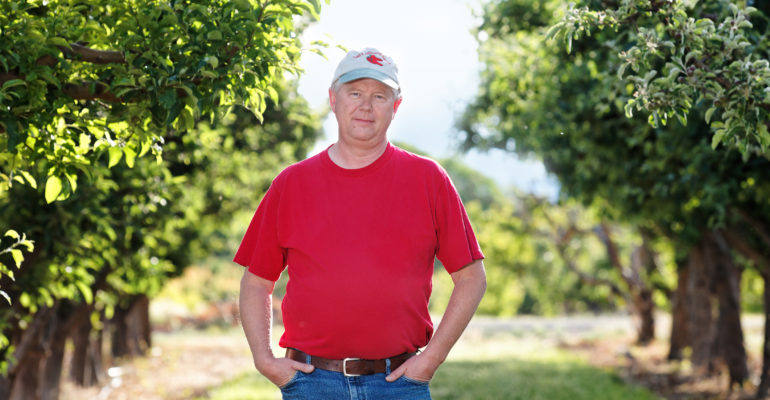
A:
(396, 104)
(332, 99)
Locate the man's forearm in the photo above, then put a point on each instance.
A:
(257, 315)
(470, 285)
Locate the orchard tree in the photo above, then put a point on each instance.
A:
(88, 90)
(80, 79)
(569, 109)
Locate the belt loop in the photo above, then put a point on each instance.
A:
(387, 366)
(308, 358)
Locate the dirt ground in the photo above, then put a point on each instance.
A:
(180, 366)
(647, 366)
(672, 380)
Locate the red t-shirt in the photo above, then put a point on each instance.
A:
(359, 245)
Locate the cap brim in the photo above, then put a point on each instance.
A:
(367, 73)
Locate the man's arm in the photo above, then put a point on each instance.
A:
(470, 284)
(257, 319)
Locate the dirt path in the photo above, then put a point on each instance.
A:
(180, 366)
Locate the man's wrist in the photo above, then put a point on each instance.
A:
(434, 358)
(264, 359)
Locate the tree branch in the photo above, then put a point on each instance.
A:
(740, 243)
(758, 227)
(87, 54)
(83, 91)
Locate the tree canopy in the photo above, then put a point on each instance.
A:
(571, 103)
(680, 55)
(89, 91)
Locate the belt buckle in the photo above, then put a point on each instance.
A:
(345, 368)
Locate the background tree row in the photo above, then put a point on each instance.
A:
(564, 102)
(88, 91)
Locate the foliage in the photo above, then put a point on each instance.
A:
(15, 250)
(531, 267)
(687, 54)
(126, 231)
(563, 102)
(569, 109)
(90, 89)
(150, 66)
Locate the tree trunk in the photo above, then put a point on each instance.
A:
(26, 382)
(680, 338)
(140, 317)
(131, 328)
(119, 329)
(51, 374)
(23, 379)
(729, 330)
(85, 365)
(698, 302)
(646, 309)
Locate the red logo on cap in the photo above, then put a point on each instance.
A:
(374, 60)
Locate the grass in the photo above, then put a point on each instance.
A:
(502, 364)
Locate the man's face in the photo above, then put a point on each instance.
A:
(364, 109)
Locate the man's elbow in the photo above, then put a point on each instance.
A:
(476, 276)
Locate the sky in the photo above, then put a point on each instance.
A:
(431, 43)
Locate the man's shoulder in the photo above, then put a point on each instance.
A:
(300, 168)
(416, 160)
(420, 164)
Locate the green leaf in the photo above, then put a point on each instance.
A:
(25, 300)
(85, 290)
(709, 113)
(553, 30)
(12, 234)
(13, 83)
(73, 181)
(764, 136)
(116, 153)
(168, 98)
(130, 156)
(214, 35)
(717, 138)
(52, 188)
(18, 257)
(57, 41)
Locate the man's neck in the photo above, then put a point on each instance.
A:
(354, 157)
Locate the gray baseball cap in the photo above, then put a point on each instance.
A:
(369, 63)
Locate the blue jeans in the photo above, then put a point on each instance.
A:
(329, 385)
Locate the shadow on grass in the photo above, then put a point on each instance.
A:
(531, 380)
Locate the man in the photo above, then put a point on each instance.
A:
(358, 227)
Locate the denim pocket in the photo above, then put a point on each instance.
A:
(291, 381)
(415, 381)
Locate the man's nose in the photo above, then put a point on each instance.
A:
(366, 102)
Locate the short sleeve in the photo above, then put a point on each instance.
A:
(457, 244)
(260, 250)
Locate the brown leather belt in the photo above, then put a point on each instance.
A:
(350, 366)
